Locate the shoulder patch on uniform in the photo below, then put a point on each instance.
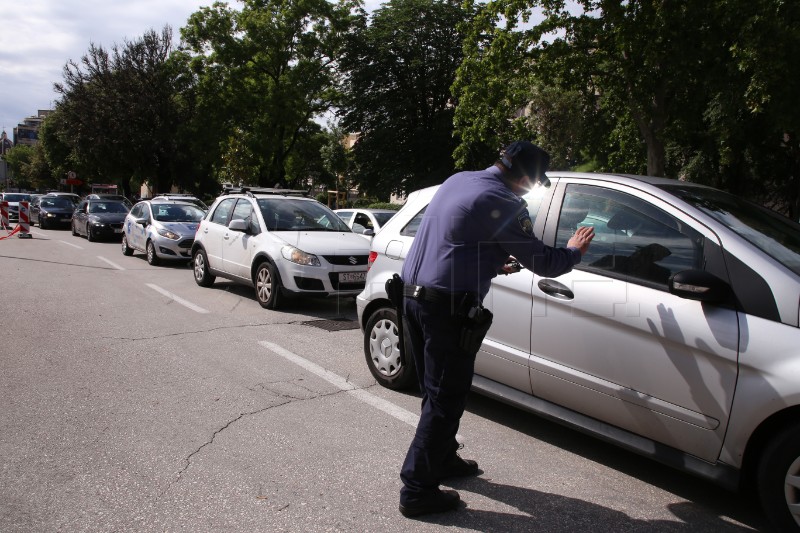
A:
(525, 223)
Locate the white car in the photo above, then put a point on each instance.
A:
(280, 242)
(365, 221)
(676, 337)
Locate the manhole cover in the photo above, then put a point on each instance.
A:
(332, 325)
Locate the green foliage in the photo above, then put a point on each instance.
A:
(384, 205)
(397, 71)
(263, 72)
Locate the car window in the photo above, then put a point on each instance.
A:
(345, 215)
(383, 218)
(177, 213)
(244, 211)
(410, 229)
(285, 214)
(137, 211)
(363, 220)
(222, 211)
(633, 239)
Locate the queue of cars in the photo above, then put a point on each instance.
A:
(686, 308)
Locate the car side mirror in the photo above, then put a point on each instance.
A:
(239, 225)
(142, 221)
(699, 285)
(369, 232)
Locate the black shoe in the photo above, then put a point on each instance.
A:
(458, 467)
(438, 502)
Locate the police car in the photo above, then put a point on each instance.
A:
(280, 242)
(677, 336)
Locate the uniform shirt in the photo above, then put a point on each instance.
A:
(473, 223)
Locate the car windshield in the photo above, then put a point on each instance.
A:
(383, 218)
(16, 197)
(56, 201)
(282, 214)
(772, 233)
(107, 207)
(177, 213)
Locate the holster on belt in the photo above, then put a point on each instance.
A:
(394, 291)
(474, 328)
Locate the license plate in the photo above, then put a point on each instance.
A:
(117, 230)
(352, 277)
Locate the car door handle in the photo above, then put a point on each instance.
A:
(226, 237)
(556, 289)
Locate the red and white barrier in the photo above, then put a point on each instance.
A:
(24, 221)
(4, 215)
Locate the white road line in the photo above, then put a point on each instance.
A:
(178, 299)
(70, 244)
(112, 263)
(337, 381)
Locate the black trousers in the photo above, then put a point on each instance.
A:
(445, 374)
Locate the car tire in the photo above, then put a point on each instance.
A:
(41, 223)
(89, 235)
(74, 231)
(202, 276)
(152, 258)
(389, 366)
(778, 475)
(126, 250)
(268, 286)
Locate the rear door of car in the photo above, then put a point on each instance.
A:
(237, 245)
(506, 349)
(608, 340)
(212, 231)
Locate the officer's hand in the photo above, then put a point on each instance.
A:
(581, 239)
(511, 266)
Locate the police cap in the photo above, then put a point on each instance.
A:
(525, 158)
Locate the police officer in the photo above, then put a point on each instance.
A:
(474, 224)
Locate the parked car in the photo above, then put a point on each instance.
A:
(112, 197)
(280, 243)
(676, 337)
(48, 211)
(98, 219)
(365, 222)
(164, 230)
(13, 199)
(182, 198)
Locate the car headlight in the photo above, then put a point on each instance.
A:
(48, 215)
(168, 234)
(295, 255)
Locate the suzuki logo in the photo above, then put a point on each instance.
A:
(353, 260)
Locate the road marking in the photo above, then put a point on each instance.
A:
(178, 299)
(112, 263)
(70, 244)
(342, 384)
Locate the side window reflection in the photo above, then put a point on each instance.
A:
(633, 239)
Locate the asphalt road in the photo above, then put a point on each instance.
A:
(133, 400)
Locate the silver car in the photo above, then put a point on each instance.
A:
(163, 230)
(676, 337)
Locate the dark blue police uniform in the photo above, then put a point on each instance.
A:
(472, 225)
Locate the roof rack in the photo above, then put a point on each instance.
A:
(264, 190)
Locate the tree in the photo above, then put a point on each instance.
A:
(263, 73)
(118, 114)
(397, 72)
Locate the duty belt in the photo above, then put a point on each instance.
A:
(429, 294)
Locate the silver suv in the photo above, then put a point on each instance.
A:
(280, 242)
(676, 337)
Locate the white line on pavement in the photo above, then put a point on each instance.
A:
(70, 244)
(112, 263)
(178, 299)
(341, 383)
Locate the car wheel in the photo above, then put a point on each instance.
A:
(201, 274)
(389, 366)
(779, 480)
(89, 235)
(41, 223)
(152, 258)
(74, 231)
(126, 250)
(268, 286)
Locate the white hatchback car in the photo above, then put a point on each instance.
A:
(676, 337)
(281, 243)
(366, 222)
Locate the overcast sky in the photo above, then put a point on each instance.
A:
(38, 37)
